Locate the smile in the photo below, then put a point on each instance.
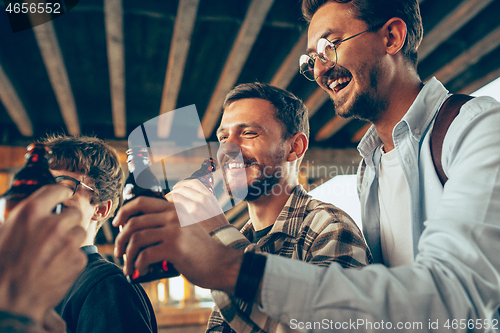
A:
(339, 83)
(234, 165)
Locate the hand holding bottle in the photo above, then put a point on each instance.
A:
(40, 255)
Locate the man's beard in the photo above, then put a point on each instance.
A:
(367, 105)
(263, 185)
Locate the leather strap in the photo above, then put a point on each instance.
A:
(446, 114)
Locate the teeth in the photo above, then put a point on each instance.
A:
(339, 81)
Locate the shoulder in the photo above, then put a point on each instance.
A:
(476, 125)
(102, 278)
(320, 215)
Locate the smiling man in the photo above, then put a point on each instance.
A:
(436, 245)
(101, 300)
(264, 133)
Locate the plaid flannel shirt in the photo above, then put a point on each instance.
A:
(306, 229)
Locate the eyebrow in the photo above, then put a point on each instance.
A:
(324, 35)
(242, 125)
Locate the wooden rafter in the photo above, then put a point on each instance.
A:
(450, 24)
(54, 63)
(181, 41)
(316, 101)
(289, 67)
(249, 30)
(113, 14)
(331, 127)
(14, 105)
(360, 133)
(469, 57)
(479, 83)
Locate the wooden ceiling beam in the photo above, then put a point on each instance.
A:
(290, 66)
(249, 30)
(479, 83)
(14, 106)
(113, 16)
(316, 101)
(48, 44)
(331, 127)
(360, 133)
(450, 24)
(179, 49)
(469, 57)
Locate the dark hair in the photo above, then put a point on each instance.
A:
(93, 158)
(374, 13)
(290, 110)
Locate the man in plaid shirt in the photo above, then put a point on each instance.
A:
(264, 134)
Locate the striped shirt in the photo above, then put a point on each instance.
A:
(306, 229)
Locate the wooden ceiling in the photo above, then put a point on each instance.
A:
(107, 66)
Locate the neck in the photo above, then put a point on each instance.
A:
(91, 233)
(403, 94)
(265, 210)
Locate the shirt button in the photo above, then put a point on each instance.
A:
(408, 159)
(417, 131)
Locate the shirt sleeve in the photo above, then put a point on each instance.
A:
(327, 235)
(230, 236)
(454, 284)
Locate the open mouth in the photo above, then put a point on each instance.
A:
(339, 83)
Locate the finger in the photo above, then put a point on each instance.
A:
(140, 205)
(60, 242)
(60, 274)
(194, 184)
(140, 241)
(151, 255)
(137, 223)
(44, 200)
(40, 203)
(58, 229)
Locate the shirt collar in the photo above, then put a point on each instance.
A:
(290, 217)
(89, 249)
(417, 119)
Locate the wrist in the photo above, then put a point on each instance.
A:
(250, 275)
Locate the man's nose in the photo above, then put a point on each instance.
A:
(320, 69)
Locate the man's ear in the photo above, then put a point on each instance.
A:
(298, 146)
(102, 210)
(395, 30)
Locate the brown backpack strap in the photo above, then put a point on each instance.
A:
(449, 110)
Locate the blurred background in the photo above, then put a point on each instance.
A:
(107, 66)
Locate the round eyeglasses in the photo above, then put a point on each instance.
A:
(326, 52)
(72, 183)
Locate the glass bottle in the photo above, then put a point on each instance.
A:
(30, 178)
(142, 182)
(204, 174)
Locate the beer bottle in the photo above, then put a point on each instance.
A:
(142, 182)
(30, 178)
(204, 174)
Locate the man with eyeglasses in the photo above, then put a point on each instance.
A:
(101, 300)
(436, 245)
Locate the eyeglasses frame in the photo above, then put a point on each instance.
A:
(334, 45)
(77, 182)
